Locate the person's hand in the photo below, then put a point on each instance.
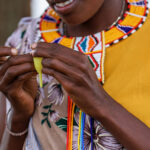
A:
(74, 71)
(18, 81)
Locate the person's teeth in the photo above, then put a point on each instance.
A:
(64, 3)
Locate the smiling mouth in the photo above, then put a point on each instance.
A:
(64, 4)
(64, 7)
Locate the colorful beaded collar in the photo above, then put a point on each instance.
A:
(132, 20)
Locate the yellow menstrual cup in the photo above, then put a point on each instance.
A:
(38, 67)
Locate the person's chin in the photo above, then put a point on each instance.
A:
(72, 20)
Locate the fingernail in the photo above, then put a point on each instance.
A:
(32, 52)
(34, 45)
(14, 51)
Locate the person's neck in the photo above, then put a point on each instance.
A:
(104, 18)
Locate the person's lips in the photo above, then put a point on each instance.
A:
(55, 1)
(64, 6)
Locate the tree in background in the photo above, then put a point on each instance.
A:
(10, 13)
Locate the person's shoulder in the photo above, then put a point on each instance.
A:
(26, 29)
(17, 36)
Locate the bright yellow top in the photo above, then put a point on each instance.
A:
(127, 73)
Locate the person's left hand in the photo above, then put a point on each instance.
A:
(74, 71)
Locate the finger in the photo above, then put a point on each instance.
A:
(3, 58)
(40, 44)
(24, 81)
(53, 50)
(50, 50)
(29, 81)
(17, 85)
(43, 50)
(7, 51)
(2, 62)
(13, 72)
(21, 79)
(27, 76)
(15, 60)
(59, 66)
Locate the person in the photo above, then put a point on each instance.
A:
(95, 94)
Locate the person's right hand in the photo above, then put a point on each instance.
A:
(18, 81)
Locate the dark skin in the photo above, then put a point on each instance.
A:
(77, 77)
(17, 80)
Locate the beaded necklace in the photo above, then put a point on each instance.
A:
(64, 27)
(94, 47)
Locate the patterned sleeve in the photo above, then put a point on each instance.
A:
(22, 38)
(16, 38)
